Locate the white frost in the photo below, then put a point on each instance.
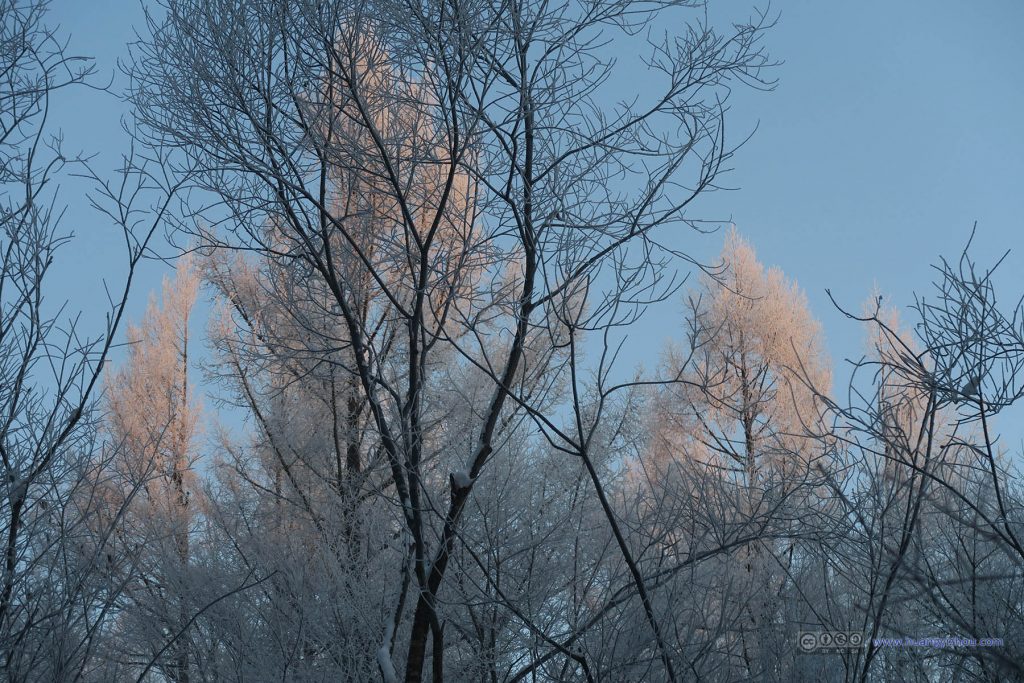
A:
(461, 479)
(971, 387)
(387, 667)
(17, 489)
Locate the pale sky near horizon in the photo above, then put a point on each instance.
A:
(894, 127)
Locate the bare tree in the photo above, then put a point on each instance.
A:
(269, 105)
(931, 508)
(54, 594)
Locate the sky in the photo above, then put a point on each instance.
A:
(894, 127)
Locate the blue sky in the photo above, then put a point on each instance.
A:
(894, 127)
